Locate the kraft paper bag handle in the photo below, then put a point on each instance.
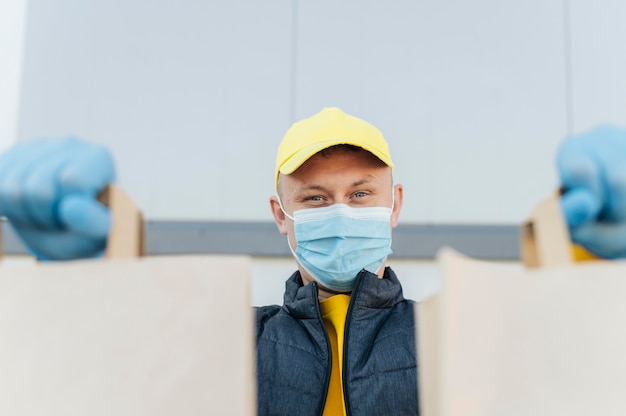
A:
(545, 237)
(126, 237)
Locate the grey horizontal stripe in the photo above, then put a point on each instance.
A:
(410, 241)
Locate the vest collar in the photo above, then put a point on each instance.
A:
(369, 292)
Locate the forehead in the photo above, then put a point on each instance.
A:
(337, 165)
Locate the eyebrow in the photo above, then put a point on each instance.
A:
(315, 187)
(310, 188)
(362, 182)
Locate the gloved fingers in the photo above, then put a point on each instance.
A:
(610, 147)
(92, 168)
(15, 165)
(34, 176)
(84, 216)
(606, 240)
(579, 205)
(615, 174)
(40, 184)
(60, 245)
(578, 171)
(595, 160)
(73, 166)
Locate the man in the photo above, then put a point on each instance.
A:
(354, 349)
(343, 340)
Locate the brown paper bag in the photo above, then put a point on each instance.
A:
(503, 340)
(127, 336)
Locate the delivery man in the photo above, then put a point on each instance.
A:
(343, 341)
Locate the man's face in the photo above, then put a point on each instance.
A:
(335, 176)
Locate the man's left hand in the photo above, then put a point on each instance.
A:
(592, 170)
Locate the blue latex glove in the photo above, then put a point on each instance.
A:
(48, 192)
(592, 167)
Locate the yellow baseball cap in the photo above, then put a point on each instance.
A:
(329, 127)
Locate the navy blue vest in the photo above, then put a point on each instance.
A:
(379, 366)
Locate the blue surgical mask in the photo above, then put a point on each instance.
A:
(338, 241)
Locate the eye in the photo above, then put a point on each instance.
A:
(313, 201)
(360, 194)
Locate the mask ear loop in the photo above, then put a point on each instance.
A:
(393, 205)
(280, 204)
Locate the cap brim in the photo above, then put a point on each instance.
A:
(304, 154)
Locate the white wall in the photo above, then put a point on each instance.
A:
(471, 95)
(189, 95)
(194, 96)
(12, 17)
(598, 65)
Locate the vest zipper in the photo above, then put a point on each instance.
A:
(329, 363)
(346, 331)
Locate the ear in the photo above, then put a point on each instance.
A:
(398, 195)
(279, 215)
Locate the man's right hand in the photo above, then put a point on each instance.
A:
(48, 191)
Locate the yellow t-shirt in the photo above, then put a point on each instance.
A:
(581, 254)
(334, 311)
